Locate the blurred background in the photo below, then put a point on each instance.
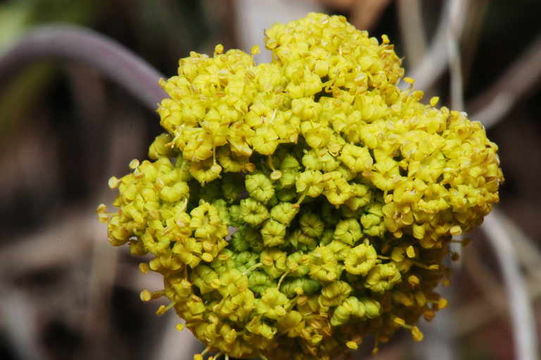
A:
(65, 293)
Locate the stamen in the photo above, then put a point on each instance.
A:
(147, 295)
(163, 309)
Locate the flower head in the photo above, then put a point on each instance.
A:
(296, 207)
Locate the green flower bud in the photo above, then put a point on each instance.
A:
(300, 241)
(235, 216)
(334, 293)
(361, 259)
(297, 264)
(273, 304)
(327, 237)
(310, 182)
(274, 262)
(284, 212)
(290, 170)
(382, 277)
(253, 212)
(259, 281)
(244, 260)
(348, 231)
(273, 233)
(353, 308)
(300, 286)
(372, 221)
(259, 187)
(324, 265)
(311, 225)
(238, 240)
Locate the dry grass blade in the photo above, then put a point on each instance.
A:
(522, 314)
(436, 60)
(365, 14)
(19, 323)
(476, 314)
(102, 277)
(523, 75)
(455, 64)
(412, 30)
(56, 244)
(83, 45)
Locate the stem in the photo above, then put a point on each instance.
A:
(83, 45)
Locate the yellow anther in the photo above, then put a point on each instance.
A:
(113, 182)
(442, 303)
(455, 230)
(413, 280)
(145, 295)
(399, 321)
(410, 251)
(144, 268)
(416, 334)
(276, 175)
(218, 49)
(409, 80)
(134, 164)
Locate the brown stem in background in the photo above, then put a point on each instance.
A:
(412, 31)
(436, 60)
(477, 11)
(365, 14)
(521, 309)
(522, 76)
(78, 44)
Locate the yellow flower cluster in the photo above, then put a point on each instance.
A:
(298, 207)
